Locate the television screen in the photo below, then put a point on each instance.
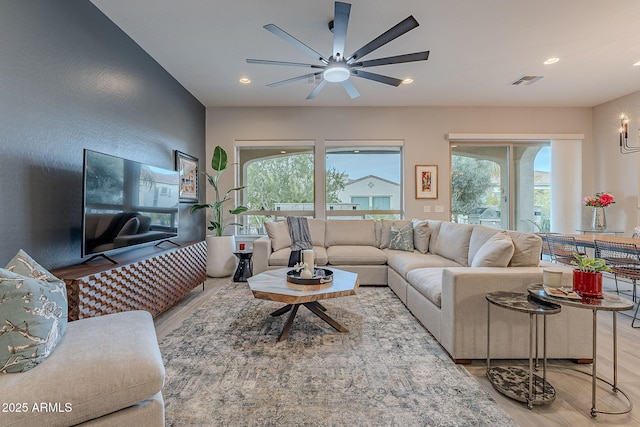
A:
(126, 203)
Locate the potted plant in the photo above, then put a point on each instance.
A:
(587, 277)
(220, 259)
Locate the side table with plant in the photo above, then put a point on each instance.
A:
(587, 277)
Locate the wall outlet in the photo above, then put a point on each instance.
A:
(439, 209)
(427, 208)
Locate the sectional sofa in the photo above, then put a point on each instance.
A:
(442, 271)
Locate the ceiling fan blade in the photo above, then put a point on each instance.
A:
(317, 89)
(282, 82)
(293, 64)
(391, 34)
(377, 77)
(294, 41)
(351, 89)
(340, 23)
(410, 57)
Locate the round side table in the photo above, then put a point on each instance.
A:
(608, 302)
(517, 383)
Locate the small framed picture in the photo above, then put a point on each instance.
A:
(187, 167)
(426, 181)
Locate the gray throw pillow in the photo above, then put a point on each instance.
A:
(401, 238)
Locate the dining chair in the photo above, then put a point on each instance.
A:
(624, 261)
(563, 248)
(546, 249)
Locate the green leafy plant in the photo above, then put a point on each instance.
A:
(590, 265)
(218, 221)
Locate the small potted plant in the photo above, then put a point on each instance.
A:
(220, 248)
(587, 277)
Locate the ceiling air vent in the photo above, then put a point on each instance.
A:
(527, 80)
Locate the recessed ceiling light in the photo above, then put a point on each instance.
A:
(407, 81)
(283, 152)
(636, 64)
(551, 60)
(244, 80)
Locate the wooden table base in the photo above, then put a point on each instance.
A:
(315, 307)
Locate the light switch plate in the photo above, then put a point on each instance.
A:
(427, 208)
(439, 208)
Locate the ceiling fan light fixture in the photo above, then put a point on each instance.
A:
(336, 73)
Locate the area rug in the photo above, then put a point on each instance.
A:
(224, 367)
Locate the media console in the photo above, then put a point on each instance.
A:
(149, 278)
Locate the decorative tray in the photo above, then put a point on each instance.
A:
(320, 276)
(561, 292)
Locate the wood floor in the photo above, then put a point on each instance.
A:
(573, 401)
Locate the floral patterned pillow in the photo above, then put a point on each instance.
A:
(33, 314)
(401, 238)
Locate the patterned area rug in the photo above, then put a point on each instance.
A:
(224, 367)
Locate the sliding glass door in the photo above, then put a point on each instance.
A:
(502, 185)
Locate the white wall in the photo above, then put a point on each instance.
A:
(423, 130)
(607, 169)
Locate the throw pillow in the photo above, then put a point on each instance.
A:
(421, 235)
(278, 232)
(33, 314)
(496, 252)
(401, 238)
(145, 224)
(385, 230)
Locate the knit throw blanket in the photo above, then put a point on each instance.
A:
(299, 233)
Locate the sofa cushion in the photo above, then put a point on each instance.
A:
(421, 235)
(434, 226)
(278, 232)
(453, 242)
(403, 262)
(317, 230)
(281, 257)
(527, 249)
(346, 232)
(102, 365)
(355, 255)
(496, 252)
(385, 231)
(427, 281)
(401, 238)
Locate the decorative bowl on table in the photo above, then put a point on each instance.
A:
(320, 276)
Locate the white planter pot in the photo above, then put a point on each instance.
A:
(221, 262)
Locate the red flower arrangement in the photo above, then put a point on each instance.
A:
(600, 200)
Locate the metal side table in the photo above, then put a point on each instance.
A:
(517, 383)
(609, 302)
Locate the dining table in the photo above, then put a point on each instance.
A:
(587, 240)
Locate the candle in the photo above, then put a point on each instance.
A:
(552, 278)
(307, 257)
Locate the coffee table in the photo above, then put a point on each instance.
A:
(272, 285)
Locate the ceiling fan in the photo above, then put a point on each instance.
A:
(338, 68)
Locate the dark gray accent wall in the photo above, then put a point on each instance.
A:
(71, 79)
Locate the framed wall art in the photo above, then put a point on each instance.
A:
(426, 181)
(187, 167)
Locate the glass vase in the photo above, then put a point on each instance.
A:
(599, 219)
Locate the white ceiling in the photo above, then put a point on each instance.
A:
(478, 48)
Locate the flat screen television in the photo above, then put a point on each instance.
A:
(126, 204)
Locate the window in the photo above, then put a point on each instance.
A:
(279, 181)
(360, 180)
(501, 185)
(364, 181)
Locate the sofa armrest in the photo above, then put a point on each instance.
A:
(464, 306)
(261, 253)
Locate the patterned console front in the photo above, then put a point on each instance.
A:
(155, 281)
